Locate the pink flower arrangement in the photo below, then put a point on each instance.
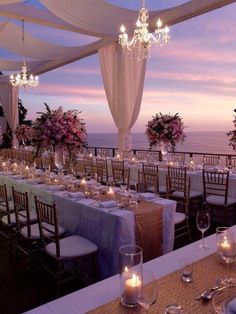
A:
(165, 128)
(232, 134)
(24, 134)
(58, 129)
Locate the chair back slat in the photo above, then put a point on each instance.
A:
(88, 165)
(102, 169)
(147, 182)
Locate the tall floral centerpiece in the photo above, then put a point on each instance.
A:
(24, 134)
(60, 130)
(232, 134)
(165, 130)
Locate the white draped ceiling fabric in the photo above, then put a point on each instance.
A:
(96, 18)
(123, 80)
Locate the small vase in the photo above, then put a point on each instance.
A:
(164, 150)
(59, 158)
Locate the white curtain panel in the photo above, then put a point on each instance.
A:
(123, 79)
(9, 102)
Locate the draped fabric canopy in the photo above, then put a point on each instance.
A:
(96, 18)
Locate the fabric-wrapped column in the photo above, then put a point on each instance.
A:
(123, 79)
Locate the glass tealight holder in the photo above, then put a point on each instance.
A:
(226, 247)
(131, 274)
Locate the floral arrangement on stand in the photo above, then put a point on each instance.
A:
(57, 129)
(165, 128)
(232, 134)
(24, 134)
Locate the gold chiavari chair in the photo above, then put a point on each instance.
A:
(102, 170)
(26, 225)
(211, 160)
(147, 182)
(141, 155)
(231, 162)
(216, 188)
(120, 175)
(88, 166)
(72, 248)
(178, 189)
(178, 158)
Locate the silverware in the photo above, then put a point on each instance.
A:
(208, 294)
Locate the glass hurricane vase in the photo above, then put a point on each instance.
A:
(164, 150)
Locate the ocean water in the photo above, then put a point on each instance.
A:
(201, 142)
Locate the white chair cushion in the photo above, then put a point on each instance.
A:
(162, 189)
(33, 218)
(193, 194)
(179, 217)
(3, 206)
(72, 247)
(35, 234)
(219, 200)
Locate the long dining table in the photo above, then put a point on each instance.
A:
(110, 227)
(96, 295)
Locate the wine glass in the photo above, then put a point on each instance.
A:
(148, 295)
(203, 224)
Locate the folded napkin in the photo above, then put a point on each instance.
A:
(17, 176)
(231, 307)
(5, 173)
(108, 204)
(54, 187)
(147, 196)
(75, 195)
(33, 181)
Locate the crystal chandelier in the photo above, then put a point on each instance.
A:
(142, 39)
(22, 79)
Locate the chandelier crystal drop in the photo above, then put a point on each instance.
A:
(142, 39)
(23, 79)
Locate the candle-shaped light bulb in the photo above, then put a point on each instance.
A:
(138, 23)
(122, 29)
(167, 30)
(159, 23)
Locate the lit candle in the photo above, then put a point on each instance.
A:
(110, 191)
(83, 184)
(118, 156)
(226, 248)
(90, 155)
(171, 163)
(132, 289)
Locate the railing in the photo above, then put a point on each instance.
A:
(197, 156)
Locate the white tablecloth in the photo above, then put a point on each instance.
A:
(109, 230)
(107, 290)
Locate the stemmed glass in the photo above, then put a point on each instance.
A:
(148, 295)
(203, 224)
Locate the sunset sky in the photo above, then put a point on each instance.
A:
(194, 75)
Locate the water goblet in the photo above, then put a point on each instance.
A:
(203, 224)
(148, 295)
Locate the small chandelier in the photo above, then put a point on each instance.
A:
(142, 39)
(22, 79)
